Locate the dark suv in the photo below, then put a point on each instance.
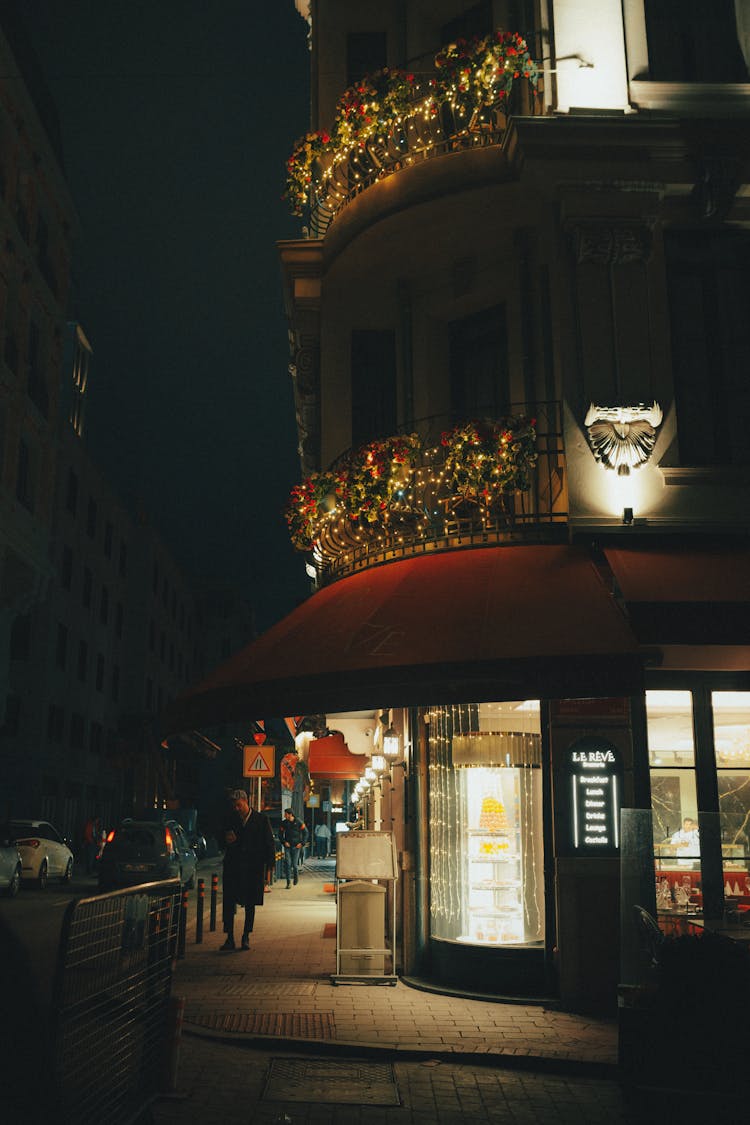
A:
(144, 851)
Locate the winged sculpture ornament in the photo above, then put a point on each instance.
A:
(623, 437)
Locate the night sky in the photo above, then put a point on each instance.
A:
(177, 117)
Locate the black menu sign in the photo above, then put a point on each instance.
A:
(594, 780)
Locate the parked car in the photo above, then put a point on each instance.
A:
(11, 864)
(145, 851)
(45, 854)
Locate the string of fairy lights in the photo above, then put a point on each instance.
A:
(393, 118)
(485, 886)
(395, 493)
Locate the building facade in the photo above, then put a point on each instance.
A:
(519, 344)
(38, 224)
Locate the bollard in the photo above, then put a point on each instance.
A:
(182, 928)
(214, 893)
(172, 1039)
(199, 911)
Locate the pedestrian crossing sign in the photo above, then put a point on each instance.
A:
(258, 761)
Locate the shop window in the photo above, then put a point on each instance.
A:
(674, 800)
(486, 831)
(731, 720)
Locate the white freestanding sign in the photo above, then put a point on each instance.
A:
(364, 861)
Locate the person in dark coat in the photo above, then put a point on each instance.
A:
(248, 860)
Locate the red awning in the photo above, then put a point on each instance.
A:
(481, 624)
(331, 757)
(686, 592)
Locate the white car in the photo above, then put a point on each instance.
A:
(10, 862)
(44, 853)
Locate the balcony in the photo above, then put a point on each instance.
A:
(395, 119)
(479, 483)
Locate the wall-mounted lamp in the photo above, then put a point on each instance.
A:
(378, 764)
(391, 744)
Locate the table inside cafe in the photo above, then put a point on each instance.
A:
(679, 899)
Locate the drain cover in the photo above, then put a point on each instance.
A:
(342, 1081)
(290, 1025)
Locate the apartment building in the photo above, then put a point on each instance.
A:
(519, 344)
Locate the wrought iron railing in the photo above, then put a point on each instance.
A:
(426, 128)
(429, 515)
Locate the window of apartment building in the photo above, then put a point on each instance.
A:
(96, 737)
(708, 277)
(104, 605)
(109, 534)
(55, 722)
(71, 492)
(115, 682)
(77, 734)
(479, 370)
(373, 381)
(476, 21)
(91, 515)
(25, 475)
(689, 41)
(12, 721)
(61, 647)
(123, 561)
(20, 637)
(66, 567)
(87, 588)
(119, 617)
(36, 386)
(83, 660)
(100, 673)
(366, 52)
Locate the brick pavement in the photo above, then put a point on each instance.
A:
(451, 1060)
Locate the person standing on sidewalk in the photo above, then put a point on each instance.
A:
(322, 840)
(248, 861)
(293, 836)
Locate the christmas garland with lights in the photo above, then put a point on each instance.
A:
(474, 76)
(483, 463)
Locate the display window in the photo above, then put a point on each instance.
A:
(731, 720)
(485, 824)
(674, 801)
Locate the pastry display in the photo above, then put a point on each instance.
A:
(492, 816)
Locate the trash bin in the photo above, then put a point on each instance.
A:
(361, 926)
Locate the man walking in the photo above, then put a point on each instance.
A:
(248, 860)
(293, 836)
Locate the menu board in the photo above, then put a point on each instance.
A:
(593, 777)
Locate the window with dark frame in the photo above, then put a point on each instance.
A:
(366, 53)
(373, 384)
(479, 367)
(708, 281)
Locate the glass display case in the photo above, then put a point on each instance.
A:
(486, 826)
(493, 909)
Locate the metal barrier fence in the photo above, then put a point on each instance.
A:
(111, 1002)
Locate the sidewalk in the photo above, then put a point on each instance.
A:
(278, 996)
